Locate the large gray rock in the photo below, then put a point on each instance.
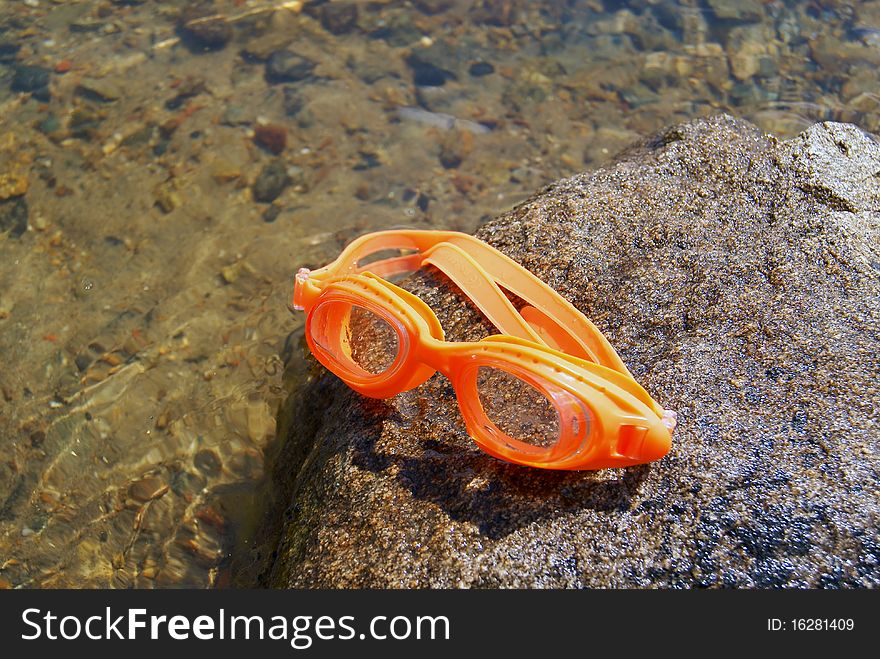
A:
(739, 278)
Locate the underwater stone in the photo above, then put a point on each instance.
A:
(480, 69)
(432, 7)
(33, 80)
(271, 137)
(49, 125)
(426, 74)
(8, 50)
(14, 216)
(236, 115)
(738, 11)
(287, 66)
(203, 28)
(271, 213)
(208, 462)
(735, 274)
(339, 17)
(434, 65)
(271, 182)
(104, 91)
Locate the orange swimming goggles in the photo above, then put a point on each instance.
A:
(549, 391)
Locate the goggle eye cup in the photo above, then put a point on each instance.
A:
(522, 417)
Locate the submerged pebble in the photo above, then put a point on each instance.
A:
(271, 182)
(271, 213)
(480, 69)
(8, 50)
(339, 17)
(428, 69)
(204, 28)
(236, 115)
(432, 7)
(455, 146)
(14, 216)
(287, 66)
(745, 11)
(208, 462)
(441, 120)
(272, 137)
(100, 90)
(33, 80)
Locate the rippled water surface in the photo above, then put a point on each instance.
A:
(165, 167)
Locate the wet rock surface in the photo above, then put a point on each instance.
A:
(738, 277)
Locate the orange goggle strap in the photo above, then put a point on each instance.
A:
(550, 320)
(612, 376)
(477, 269)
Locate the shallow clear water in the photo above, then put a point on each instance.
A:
(165, 168)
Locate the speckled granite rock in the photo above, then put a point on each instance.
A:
(739, 278)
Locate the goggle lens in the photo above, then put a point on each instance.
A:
(517, 408)
(357, 339)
